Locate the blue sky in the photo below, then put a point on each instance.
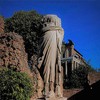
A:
(80, 20)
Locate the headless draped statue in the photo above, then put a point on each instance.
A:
(50, 55)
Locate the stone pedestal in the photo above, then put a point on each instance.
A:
(52, 98)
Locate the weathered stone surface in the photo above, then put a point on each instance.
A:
(12, 52)
(93, 77)
(62, 98)
(1, 25)
(50, 56)
(70, 92)
(52, 98)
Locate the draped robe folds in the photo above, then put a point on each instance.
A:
(51, 41)
(49, 46)
(50, 52)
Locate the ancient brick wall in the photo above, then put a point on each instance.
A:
(93, 77)
(12, 52)
(1, 25)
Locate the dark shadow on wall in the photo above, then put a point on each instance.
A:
(89, 92)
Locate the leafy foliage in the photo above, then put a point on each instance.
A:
(78, 78)
(15, 85)
(90, 68)
(98, 70)
(26, 24)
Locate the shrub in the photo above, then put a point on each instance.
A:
(78, 78)
(26, 24)
(15, 85)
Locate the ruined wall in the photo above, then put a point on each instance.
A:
(13, 55)
(93, 77)
(1, 25)
(12, 52)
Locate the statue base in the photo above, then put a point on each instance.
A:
(52, 98)
(56, 98)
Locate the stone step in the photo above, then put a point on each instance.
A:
(52, 98)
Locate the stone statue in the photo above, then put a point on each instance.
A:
(50, 55)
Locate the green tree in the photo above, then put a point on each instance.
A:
(26, 24)
(98, 70)
(90, 67)
(78, 78)
(15, 85)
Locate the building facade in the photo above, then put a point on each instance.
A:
(71, 58)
